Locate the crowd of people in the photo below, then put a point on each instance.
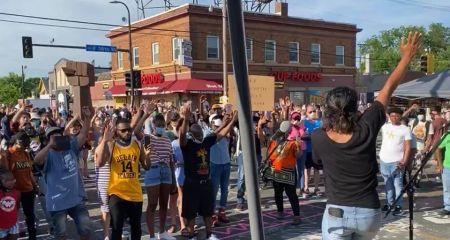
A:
(184, 157)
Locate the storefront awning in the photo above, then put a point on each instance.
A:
(177, 86)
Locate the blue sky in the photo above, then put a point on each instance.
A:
(372, 16)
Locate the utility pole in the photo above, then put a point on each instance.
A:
(22, 92)
(130, 53)
(224, 48)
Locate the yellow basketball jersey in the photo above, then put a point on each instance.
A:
(124, 177)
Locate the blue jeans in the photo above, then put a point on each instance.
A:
(300, 170)
(240, 179)
(159, 173)
(354, 223)
(220, 177)
(80, 216)
(393, 181)
(446, 186)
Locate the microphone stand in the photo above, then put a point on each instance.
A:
(410, 186)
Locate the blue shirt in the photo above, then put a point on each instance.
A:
(65, 188)
(310, 127)
(219, 153)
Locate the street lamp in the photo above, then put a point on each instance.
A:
(130, 52)
(22, 92)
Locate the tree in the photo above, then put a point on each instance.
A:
(10, 90)
(384, 53)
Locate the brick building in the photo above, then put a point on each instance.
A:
(307, 57)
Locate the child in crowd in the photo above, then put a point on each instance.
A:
(9, 202)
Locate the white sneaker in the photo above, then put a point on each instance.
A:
(213, 237)
(165, 236)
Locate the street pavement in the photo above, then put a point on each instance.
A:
(427, 223)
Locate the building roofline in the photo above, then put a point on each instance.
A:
(199, 9)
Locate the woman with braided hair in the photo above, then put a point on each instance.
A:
(346, 146)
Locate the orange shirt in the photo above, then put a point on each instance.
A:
(21, 166)
(285, 156)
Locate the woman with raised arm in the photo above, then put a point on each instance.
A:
(346, 146)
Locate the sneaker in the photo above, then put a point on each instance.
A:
(165, 236)
(444, 212)
(213, 237)
(125, 235)
(222, 217)
(296, 221)
(280, 215)
(397, 211)
(240, 207)
(385, 208)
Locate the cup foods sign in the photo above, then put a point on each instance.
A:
(297, 76)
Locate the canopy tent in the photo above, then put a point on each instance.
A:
(433, 86)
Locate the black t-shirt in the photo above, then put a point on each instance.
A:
(196, 157)
(351, 168)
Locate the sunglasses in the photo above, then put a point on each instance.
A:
(124, 130)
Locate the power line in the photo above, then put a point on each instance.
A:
(423, 5)
(260, 43)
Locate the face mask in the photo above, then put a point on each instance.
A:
(159, 131)
(420, 117)
(312, 115)
(296, 122)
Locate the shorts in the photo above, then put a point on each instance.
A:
(309, 163)
(159, 173)
(179, 175)
(80, 216)
(199, 197)
(10, 231)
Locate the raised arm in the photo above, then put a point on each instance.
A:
(82, 136)
(16, 117)
(228, 127)
(408, 49)
(147, 111)
(185, 111)
(103, 152)
(70, 123)
(40, 157)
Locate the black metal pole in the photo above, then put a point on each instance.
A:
(130, 53)
(22, 92)
(237, 37)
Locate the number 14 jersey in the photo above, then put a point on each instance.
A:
(124, 177)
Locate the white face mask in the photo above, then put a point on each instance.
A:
(420, 117)
(296, 123)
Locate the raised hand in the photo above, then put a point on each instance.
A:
(186, 111)
(410, 45)
(86, 112)
(110, 131)
(149, 107)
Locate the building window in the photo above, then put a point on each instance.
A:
(293, 52)
(249, 49)
(315, 53)
(270, 51)
(135, 57)
(155, 53)
(212, 46)
(339, 55)
(176, 48)
(120, 60)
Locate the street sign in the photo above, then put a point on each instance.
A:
(100, 48)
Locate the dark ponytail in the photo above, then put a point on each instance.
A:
(341, 110)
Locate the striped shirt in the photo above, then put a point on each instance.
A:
(160, 150)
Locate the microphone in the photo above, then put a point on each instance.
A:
(285, 127)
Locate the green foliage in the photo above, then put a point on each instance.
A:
(10, 90)
(384, 47)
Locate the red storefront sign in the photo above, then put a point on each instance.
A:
(297, 76)
(151, 79)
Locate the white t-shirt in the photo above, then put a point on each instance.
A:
(392, 146)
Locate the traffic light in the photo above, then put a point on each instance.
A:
(137, 79)
(27, 46)
(427, 63)
(128, 80)
(424, 63)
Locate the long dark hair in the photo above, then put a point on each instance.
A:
(341, 110)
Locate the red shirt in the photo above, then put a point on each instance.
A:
(9, 203)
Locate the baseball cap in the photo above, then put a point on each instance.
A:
(52, 130)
